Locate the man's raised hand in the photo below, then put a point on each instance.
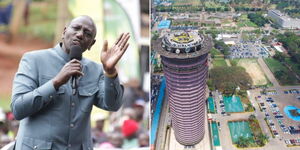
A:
(111, 56)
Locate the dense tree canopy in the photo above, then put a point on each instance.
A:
(220, 45)
(227, 79)
(292, 43)
(257, 19)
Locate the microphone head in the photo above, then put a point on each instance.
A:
(75, 52)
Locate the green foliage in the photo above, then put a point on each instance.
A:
(210, 85)
(178, 8)
(242, 93)
(157, 68)
(42, 21)
(241, 8)
(249, 108)
(281, 73)
(215, 52)
(259, 137)
(295, 66)
(243, 142)
(292, 43)
(262, 139)
(234, 62)
(219, 62)
(220, 45)
(258, 19)
(227, 79)
(155, 35)
(265, 39)
(213, 33)
(282, 5)
(279, 56)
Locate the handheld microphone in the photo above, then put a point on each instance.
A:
(75, 53)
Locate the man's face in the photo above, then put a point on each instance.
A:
(81, 31)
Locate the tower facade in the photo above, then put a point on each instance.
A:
(184, 59)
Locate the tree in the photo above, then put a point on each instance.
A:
(155, 35)
(226, 79)
(262, 139)
(279, 74)
(243, 142)
(252, 117)
(292, 43)
(258, 19)
(279, 56)
(220, 45)
(265, 39)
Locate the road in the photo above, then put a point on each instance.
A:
(268, 72)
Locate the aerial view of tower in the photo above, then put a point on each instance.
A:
(184, 56)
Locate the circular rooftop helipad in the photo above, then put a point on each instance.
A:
(183, 44)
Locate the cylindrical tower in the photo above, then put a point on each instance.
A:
(184, 59)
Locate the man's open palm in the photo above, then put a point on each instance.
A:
(111, 56)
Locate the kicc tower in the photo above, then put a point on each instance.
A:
(184, 57)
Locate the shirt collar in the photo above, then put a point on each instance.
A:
(61, 52)
(64, 55)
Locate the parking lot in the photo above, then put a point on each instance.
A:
(248, 50)
(281, 126)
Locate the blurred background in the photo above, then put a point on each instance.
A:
(27, 25)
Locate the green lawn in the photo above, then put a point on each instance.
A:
(241, 24)
(250, 24)
(282, 74)
(275, 65)
(234, 62)
(218, 62)
(243, 21)
(215, 52)
(211, 4)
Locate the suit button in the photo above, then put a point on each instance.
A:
(35, 147)
(72, 104)
(51, 96)
(71, 125)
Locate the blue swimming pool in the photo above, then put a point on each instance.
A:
(239, 128)
(215, 133)
(211, 105)
(233, 104)
(289, 110)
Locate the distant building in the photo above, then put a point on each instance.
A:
(283, 20)
(278, 46)
(224, 1)
(164, 24)
(185, 65)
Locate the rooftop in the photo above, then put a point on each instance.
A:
(181, 44)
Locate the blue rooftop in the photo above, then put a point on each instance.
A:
(165, 24)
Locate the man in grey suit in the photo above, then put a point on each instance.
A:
(51, 116)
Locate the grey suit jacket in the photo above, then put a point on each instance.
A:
(53, 119)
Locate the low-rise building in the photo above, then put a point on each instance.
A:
(283, 20)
